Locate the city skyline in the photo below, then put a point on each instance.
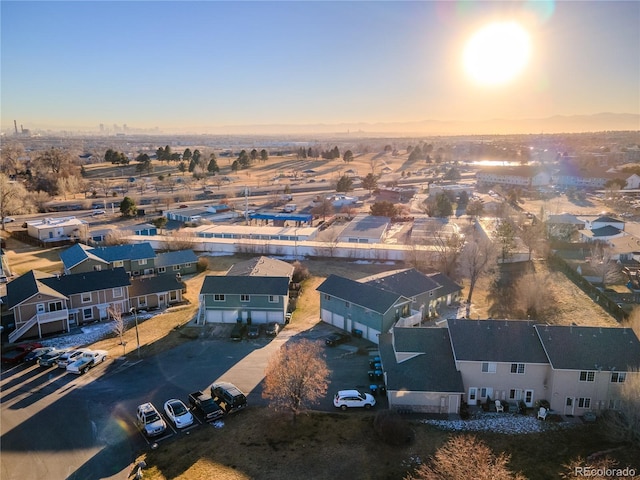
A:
(205, 65)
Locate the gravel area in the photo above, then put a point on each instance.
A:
(499, 423)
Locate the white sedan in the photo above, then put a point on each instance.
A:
(87, 360)
(178, 413)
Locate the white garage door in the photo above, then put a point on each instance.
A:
(258, 316)
(362, 327)
(214, 316)
(275, 317)
(338, 320)
(229, 316)
(372, 335)
(325, 315)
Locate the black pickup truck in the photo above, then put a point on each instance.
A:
(206, 404)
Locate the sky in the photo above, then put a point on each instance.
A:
(192, 65)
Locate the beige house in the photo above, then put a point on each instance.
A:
(57, 229)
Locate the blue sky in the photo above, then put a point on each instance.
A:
(197, 64)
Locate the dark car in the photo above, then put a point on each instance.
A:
(17, 353)
(253, 331)
(272, 329)
(34, 355)
(336, 339)
(238, 332)
(229, 397)
(50, 359)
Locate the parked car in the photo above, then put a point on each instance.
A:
(69, 357)
(178, 413)
(253, 331)
(50, 359)
(238, 332)
(228, 396)
(98, 212)
(17, 353)
(206, 404)
(149, 420)
(272, 329)
(336, 339)
(8, 220)
(353, 398)
(87, 360)
(34, 355)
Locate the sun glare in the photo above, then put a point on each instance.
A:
(497, 53)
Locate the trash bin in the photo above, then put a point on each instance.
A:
(357, 333)
(378, 374)
(374, 390)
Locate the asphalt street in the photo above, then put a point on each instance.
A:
(58, 425)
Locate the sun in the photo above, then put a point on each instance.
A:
(497, 53)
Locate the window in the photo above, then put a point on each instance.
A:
(136, 273)
(97, 268)
(483, 392)
(218, 297)
(587, 376)
(618, 377)
(187, 265)
(569, 402)
(117, 292)
(488, 367)
(584, 402)
(244, 298)
(176, 268)
(86, 297)
(118, 263)
(87, 313)
(517, 368)
(327, 297)
(142, 261)
(40, 308)
(142, 302)
(161, 269)
(173, 295)
(273, 298)
(55, 306)
(347, 304)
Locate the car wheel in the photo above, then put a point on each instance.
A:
(84, 370)
(343, 407)
(367, 406)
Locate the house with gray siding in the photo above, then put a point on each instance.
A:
(137, 259)
(179, 262)
(161, 291)
(250, 299)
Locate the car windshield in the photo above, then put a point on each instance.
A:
(151, 417)
(178, 409)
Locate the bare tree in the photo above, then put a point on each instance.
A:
(534, 296)
(116, 237)
(532, 236)
(464, 457)
(448, 249)
(478, 257)
(323, 209)
(119, 327)
(296, 377)
(12, 196)
(11, 158)
(181, 240)
(601, 260)
(623, 423)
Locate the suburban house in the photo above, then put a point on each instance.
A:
(363, 308)
(155, 292)
(576, 369)
(60, 229)
(364, 229)
(420, 370)
(374, 304)
(602, 229)
(252, 299)
(262, 267)
(137, 259)
(43, 303)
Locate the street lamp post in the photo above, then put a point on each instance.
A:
(135, 312)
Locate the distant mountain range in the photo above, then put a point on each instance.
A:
(557, 124)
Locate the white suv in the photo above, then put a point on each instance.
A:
(353, 398)
(149, 420)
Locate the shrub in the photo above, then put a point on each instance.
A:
(391, 428)
(300, 272)
(203, 264)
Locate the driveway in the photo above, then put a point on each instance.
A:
(59, 425)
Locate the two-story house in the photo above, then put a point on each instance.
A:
(251, 299)
(43, 303)
(363, 308)
(137, 259)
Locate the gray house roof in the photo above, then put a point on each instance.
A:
(408, 282)
(432, 370)
(27, 285)
(262, 266)
(136, 251)
(495, 341)
(179, 257)
(214, 284)
(150, 285)
(447, 286)
(362, 294)
(88, 282)
(77, 254)
(590, 348)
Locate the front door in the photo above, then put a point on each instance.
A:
(473, 396)
(569, 406)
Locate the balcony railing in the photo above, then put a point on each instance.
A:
(53, 316)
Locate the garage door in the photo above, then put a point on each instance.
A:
(338, 320)
(372, 335)
(214, 316)
(229, 316)
(275, 317)
(258, 316)
(325, 315)
(362, 327)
